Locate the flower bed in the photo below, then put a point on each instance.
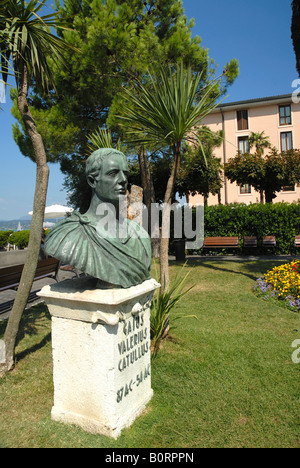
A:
(281, 283)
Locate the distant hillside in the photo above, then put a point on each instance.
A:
(25, 224)
(13, 224)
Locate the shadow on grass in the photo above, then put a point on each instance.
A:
(252, 268)
(35, 322)
(34, 348)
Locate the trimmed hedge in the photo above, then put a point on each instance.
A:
(277, 219)
(281, 220)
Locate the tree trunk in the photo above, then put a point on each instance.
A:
(261, 196)
(149, 197)
(164, 242)
(42, 175)
(269, 195)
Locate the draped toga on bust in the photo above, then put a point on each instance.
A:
(123, 260)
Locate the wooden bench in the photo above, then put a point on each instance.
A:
(269, 241)
(221, 243)
(10, 276)
(297, 241)
(250, 241)
(10, 279)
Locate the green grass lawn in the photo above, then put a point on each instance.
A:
(224, 380)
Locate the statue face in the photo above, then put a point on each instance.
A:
(113, 179)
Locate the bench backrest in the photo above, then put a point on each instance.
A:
(10, 276)
(221, 242)
(269, 241)
(46, 267)
(250, 241)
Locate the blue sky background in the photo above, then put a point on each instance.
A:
(257, 33)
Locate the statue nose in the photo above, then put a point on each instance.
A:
(122, 178)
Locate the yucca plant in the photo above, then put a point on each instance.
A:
(162, 305)
(26, 42)
(102, 138)
(165, 113)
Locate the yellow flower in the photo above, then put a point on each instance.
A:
(285, 279)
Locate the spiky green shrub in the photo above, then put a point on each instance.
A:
(162, 305)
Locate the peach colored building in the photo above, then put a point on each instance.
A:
(277, 116)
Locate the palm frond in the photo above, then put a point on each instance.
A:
(165, 111)
(26, 39)
(102, 138)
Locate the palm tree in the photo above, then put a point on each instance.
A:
(25, 44)
(102, 138)
(164, 114)
(260, 141)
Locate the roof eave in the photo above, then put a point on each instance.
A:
(283, 98)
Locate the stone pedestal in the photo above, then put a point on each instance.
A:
(101, 353)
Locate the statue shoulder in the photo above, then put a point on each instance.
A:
(65, 223)
(64, 232)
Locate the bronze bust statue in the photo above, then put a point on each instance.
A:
(102, 242)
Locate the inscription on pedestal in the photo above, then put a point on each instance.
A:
(136, 343)
(132, 348)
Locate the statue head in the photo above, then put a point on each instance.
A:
(107, 174)
(102, 242)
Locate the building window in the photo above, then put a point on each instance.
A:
(286, 141)
(285, 116)
(242, 120)
(243, 144)
(288, 188)
(245, 189)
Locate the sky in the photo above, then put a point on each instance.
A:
(256, 33)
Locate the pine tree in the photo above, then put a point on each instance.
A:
(119, 41)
